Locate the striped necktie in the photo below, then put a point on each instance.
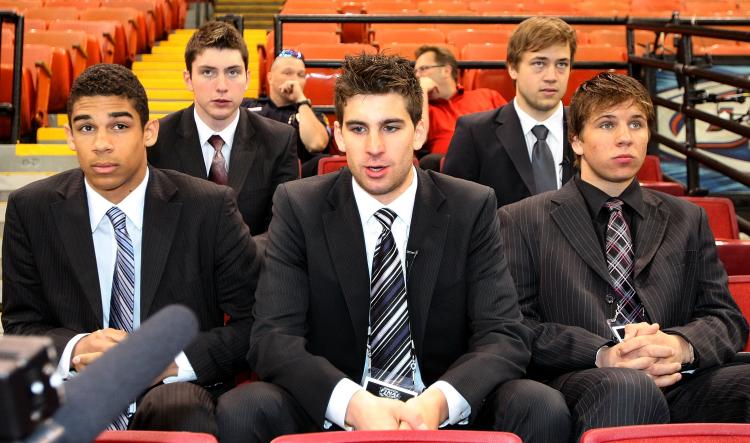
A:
(122, 302)
(390, 337)
(619, 249)
(218, 173)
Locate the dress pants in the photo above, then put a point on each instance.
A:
(178, 406)
(260, 412)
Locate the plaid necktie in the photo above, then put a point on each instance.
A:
(122, 301)
(390, 337)
(619, 248)
(218, 173)
(542, 163)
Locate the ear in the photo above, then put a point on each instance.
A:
(188, 79)
(247, 79)
(420, 135)
(69, 136)
(339, 136)
(576, 144)
(150, 133)
(512, 72)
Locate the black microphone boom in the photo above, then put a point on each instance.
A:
(94, 398)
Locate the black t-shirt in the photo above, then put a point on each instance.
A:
(285, 114)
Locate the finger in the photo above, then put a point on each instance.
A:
(81, 361)
(667, 380)
(660, 369)
(642, 328)
(412, 418)
(635, 343)
(404, 426)
(116, 335)
(651, 350)
(640, 363)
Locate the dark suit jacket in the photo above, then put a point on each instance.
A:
(489, 148)
(195, 251)
(560, 271)
(313, 299)
(264, 155)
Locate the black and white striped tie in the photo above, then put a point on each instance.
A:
(390, 336)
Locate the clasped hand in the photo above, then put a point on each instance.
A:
(646, 348)
(423, 412)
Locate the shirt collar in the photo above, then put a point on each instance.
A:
(227, 134)
(554, 122)
(595, 197)
(132, 205)
(403, 205)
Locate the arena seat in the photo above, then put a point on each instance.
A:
(78, 4)
(739, 287)
(154, 437)
(594, 53)
(75, 42)
(670, 433)
(407, 50)
(6, 95)
(320, 81)
(38, 60)
(671, 188)
(721, 216)
(461, 37)
(152, 14)
(291, 40)
(52, 67)
(127, 17)
(651, 169)
(331, 164)
(416, 35)
(390, 7)
(497, 79)
(106, 33)
(438, 436)
(735, 255)
(52, 13)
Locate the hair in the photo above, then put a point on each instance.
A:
(368, 74)
(537, 33)
(214, 35)
(442, 57)
(109, 80)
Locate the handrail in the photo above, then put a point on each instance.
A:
(14, 107)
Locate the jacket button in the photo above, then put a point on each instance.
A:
(609, 299)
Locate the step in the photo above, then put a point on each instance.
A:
(19, 159)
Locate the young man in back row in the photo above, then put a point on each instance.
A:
(522, 149)
(216, 138)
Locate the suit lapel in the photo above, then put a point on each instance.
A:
(510, 135)
(568, 155)
(189, 147)
(244, 150)
(427, 235)
(346, 242)
(573, 219)
(161, 216)
(71, 217)
(650, 232)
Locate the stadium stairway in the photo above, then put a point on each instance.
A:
(256, 13)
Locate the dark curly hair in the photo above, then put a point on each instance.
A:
(110, 80)
(214, 35)
(374, 74)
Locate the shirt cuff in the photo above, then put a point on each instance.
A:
(185, 370)
(459, 409)
(63, 367)
(339, 402)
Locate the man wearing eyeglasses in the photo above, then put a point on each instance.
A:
(287, 103)
(445, 100)
(216, 139)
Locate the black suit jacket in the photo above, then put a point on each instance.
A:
(195, 251)
(313, 299)
(264, 155)
(489, 148)
(560, 271)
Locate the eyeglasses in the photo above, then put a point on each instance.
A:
(422, 69)
(291, 53)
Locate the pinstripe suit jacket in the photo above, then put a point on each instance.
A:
(195, 251)
(312, 303)
(561, 275)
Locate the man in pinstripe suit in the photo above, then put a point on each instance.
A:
(673, 361)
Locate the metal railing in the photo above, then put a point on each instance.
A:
(12, 109)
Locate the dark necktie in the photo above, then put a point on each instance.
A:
(218, 173)
(619, 249)
(122, 302)
(542, 163)
(390, 336)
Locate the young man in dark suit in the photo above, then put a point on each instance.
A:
(633, 320)
(91, 253)
(521, 149)
(216, 138)
(385, 301)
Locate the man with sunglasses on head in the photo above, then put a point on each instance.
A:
(216, 139)
(286, 102)
(445, 100)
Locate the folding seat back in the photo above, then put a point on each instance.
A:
(319, 85)
(35, 23)
(38, 59)
(651, 169)
(58, 68)
(75, 42)
(460, 38)
(594, 52)
(671, 188)
(79, 4)
(497, 79)
(390, 7)
(151, 15)
(739, 287)
(154, 437)
(104, 32)
(127, 17)
(439, 436)
(734, 255)
(417, 35)
(51, 13)
(722, 218)
(408, 50)
(671, 433)
(331, 164)
(6, 96)
(332, 51)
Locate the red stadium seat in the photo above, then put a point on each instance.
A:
(721, 216)
(651, 169)
(670, 433)
(497, 79)
(401, 437)
(105, 32)
(735, 255)
(739, 287)
(51, 13)
(417, 35)
(127, 17)
(319, 86)
(154, 437)
(291, 40)
(6, 95)
(671, 188)
(53, 76)
(320, 81)
(331, 164)
(38, 60)
(462, 37)
(75, 42)
(407, 50)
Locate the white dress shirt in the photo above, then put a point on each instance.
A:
(555, 137)
(204, 133)
(105, 249)
(458, 408)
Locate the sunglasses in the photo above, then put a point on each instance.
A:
(291, 53)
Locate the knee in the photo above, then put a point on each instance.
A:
(533, 402)
(184, 399)
(626, 383)
(250, 403)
